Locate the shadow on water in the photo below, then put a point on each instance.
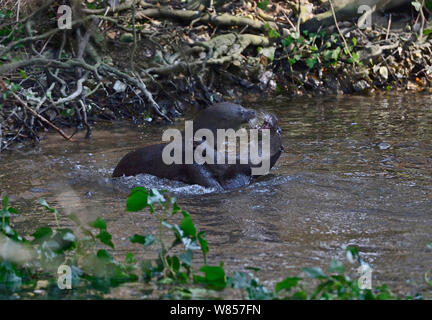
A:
(356, 171)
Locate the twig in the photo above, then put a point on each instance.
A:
(140, 84)
(106, 12)
(388, 27)
(134, 38)
(41, 118)
(75, 94)
(422, 22)
(85, 40)
(340, 33)
(18, 10)
(299, 18)
(39, 37)
(84, 112)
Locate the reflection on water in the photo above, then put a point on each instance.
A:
(356, 171)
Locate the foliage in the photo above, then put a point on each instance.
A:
(173, 272)
(318, 49)
(8, 32)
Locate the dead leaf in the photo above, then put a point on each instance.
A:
(111, 34)
(383, 72)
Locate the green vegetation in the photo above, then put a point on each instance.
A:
(10, 33)
(30, 266)
(318, 48)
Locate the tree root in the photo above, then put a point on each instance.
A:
(224, 19)
(87, 68)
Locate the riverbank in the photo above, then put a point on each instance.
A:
(150, 62)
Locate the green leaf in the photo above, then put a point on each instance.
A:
(287, 284)
(310, 62)
(263, 4)
(137, 199)
(186, 257)
(214, 277)
(13, 210)
(287, 41)
(5, 202)
(103, 254)
(175, 207)
(203, 244)
(300, 295)
(314, 273)
(187, 225)
(23, 74)
(427, 31)
(105, 238)
(15, 87)
(273, 34)
(130, 258)
(355, 58)
(40, 233)
(292, 61)
(146, 241)
(174, 263)
(335, 53)
(99, 223)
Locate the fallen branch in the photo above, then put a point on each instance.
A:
(217, 20)
(34, 113)
(140, 85)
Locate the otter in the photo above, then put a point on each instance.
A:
(230, 176)
(220, 176)
(148, 160)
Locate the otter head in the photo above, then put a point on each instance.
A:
(223, 115)
(265, 120)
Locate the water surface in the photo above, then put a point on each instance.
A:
(356, 171)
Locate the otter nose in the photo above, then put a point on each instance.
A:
(249, 114)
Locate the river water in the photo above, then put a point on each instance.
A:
(356, 171)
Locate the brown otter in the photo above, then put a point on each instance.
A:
(231, 176)
(149, 159)
(219, 176)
